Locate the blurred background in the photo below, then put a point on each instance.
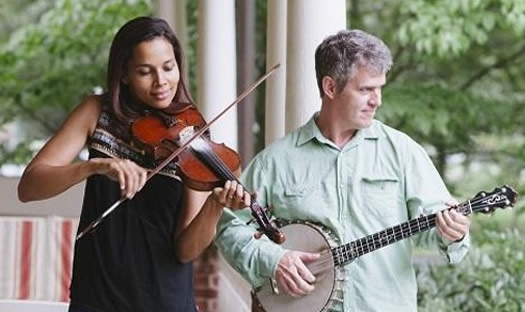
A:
(457, 87)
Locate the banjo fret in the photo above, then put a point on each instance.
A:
(350, 251)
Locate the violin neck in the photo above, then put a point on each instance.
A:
(205, 153)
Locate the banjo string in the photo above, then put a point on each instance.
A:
(364, 245)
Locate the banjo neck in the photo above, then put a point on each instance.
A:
(346, 253)
(482, 202)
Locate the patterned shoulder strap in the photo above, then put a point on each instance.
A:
(115, 140)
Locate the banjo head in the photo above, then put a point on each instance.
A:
(305, 237)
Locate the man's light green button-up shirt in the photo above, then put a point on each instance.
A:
(379, 179)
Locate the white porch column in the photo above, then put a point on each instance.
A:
(275, 85)
(174, 12)
(216, 67)
(180, 26)
(165, 9)
(309, 22)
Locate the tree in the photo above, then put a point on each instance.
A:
(49, 65)
(456, 85)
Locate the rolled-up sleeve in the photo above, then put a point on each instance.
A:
(255, 259)
(426, 194)
(455, 251)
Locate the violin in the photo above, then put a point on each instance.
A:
(215, 162)
(203, 164)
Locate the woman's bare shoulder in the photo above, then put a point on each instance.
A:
(91, 104)
(88, 111)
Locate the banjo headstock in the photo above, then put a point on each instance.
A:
(487, 202)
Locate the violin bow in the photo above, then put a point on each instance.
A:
(91, 226)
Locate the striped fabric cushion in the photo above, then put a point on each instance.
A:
(36, 257)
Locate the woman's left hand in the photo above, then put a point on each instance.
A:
(231, 195)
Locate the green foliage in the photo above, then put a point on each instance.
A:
(438, 115)
(490, 278)
(260, 61)
(49, 65)
(19, 155)
(457, 85)
(13, 14)
(451, 121)
(191, 50)
(448, 28)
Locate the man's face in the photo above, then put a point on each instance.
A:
(360, 98)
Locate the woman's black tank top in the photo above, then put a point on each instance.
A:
(129, 262)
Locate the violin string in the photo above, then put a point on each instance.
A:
(225, 171)
(209, 157)
(204, 149)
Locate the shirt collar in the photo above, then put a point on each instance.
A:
(310, 131)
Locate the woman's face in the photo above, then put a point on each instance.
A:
(153, 74)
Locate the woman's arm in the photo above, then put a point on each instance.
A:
(201, 212)
(52, 172)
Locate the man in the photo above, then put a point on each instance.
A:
(355, 176)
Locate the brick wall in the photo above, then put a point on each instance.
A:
(218, 288)
(206, 280)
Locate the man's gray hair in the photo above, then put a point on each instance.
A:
(340, 55)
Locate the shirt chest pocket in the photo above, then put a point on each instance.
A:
(380, 195)
(296, 196)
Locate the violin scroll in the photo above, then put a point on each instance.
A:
(266, 226)
(275, 235)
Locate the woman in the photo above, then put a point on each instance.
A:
(138, 259)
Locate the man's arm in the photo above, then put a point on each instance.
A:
(255, 259)
(426, 193)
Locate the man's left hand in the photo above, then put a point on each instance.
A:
(452, 225)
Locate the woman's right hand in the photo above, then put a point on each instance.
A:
(128, 174)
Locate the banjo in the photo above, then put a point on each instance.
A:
(309, 237)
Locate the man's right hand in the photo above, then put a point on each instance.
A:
(293, 276)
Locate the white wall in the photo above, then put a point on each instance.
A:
(32, 306)
(67, 204)
(234, 291)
